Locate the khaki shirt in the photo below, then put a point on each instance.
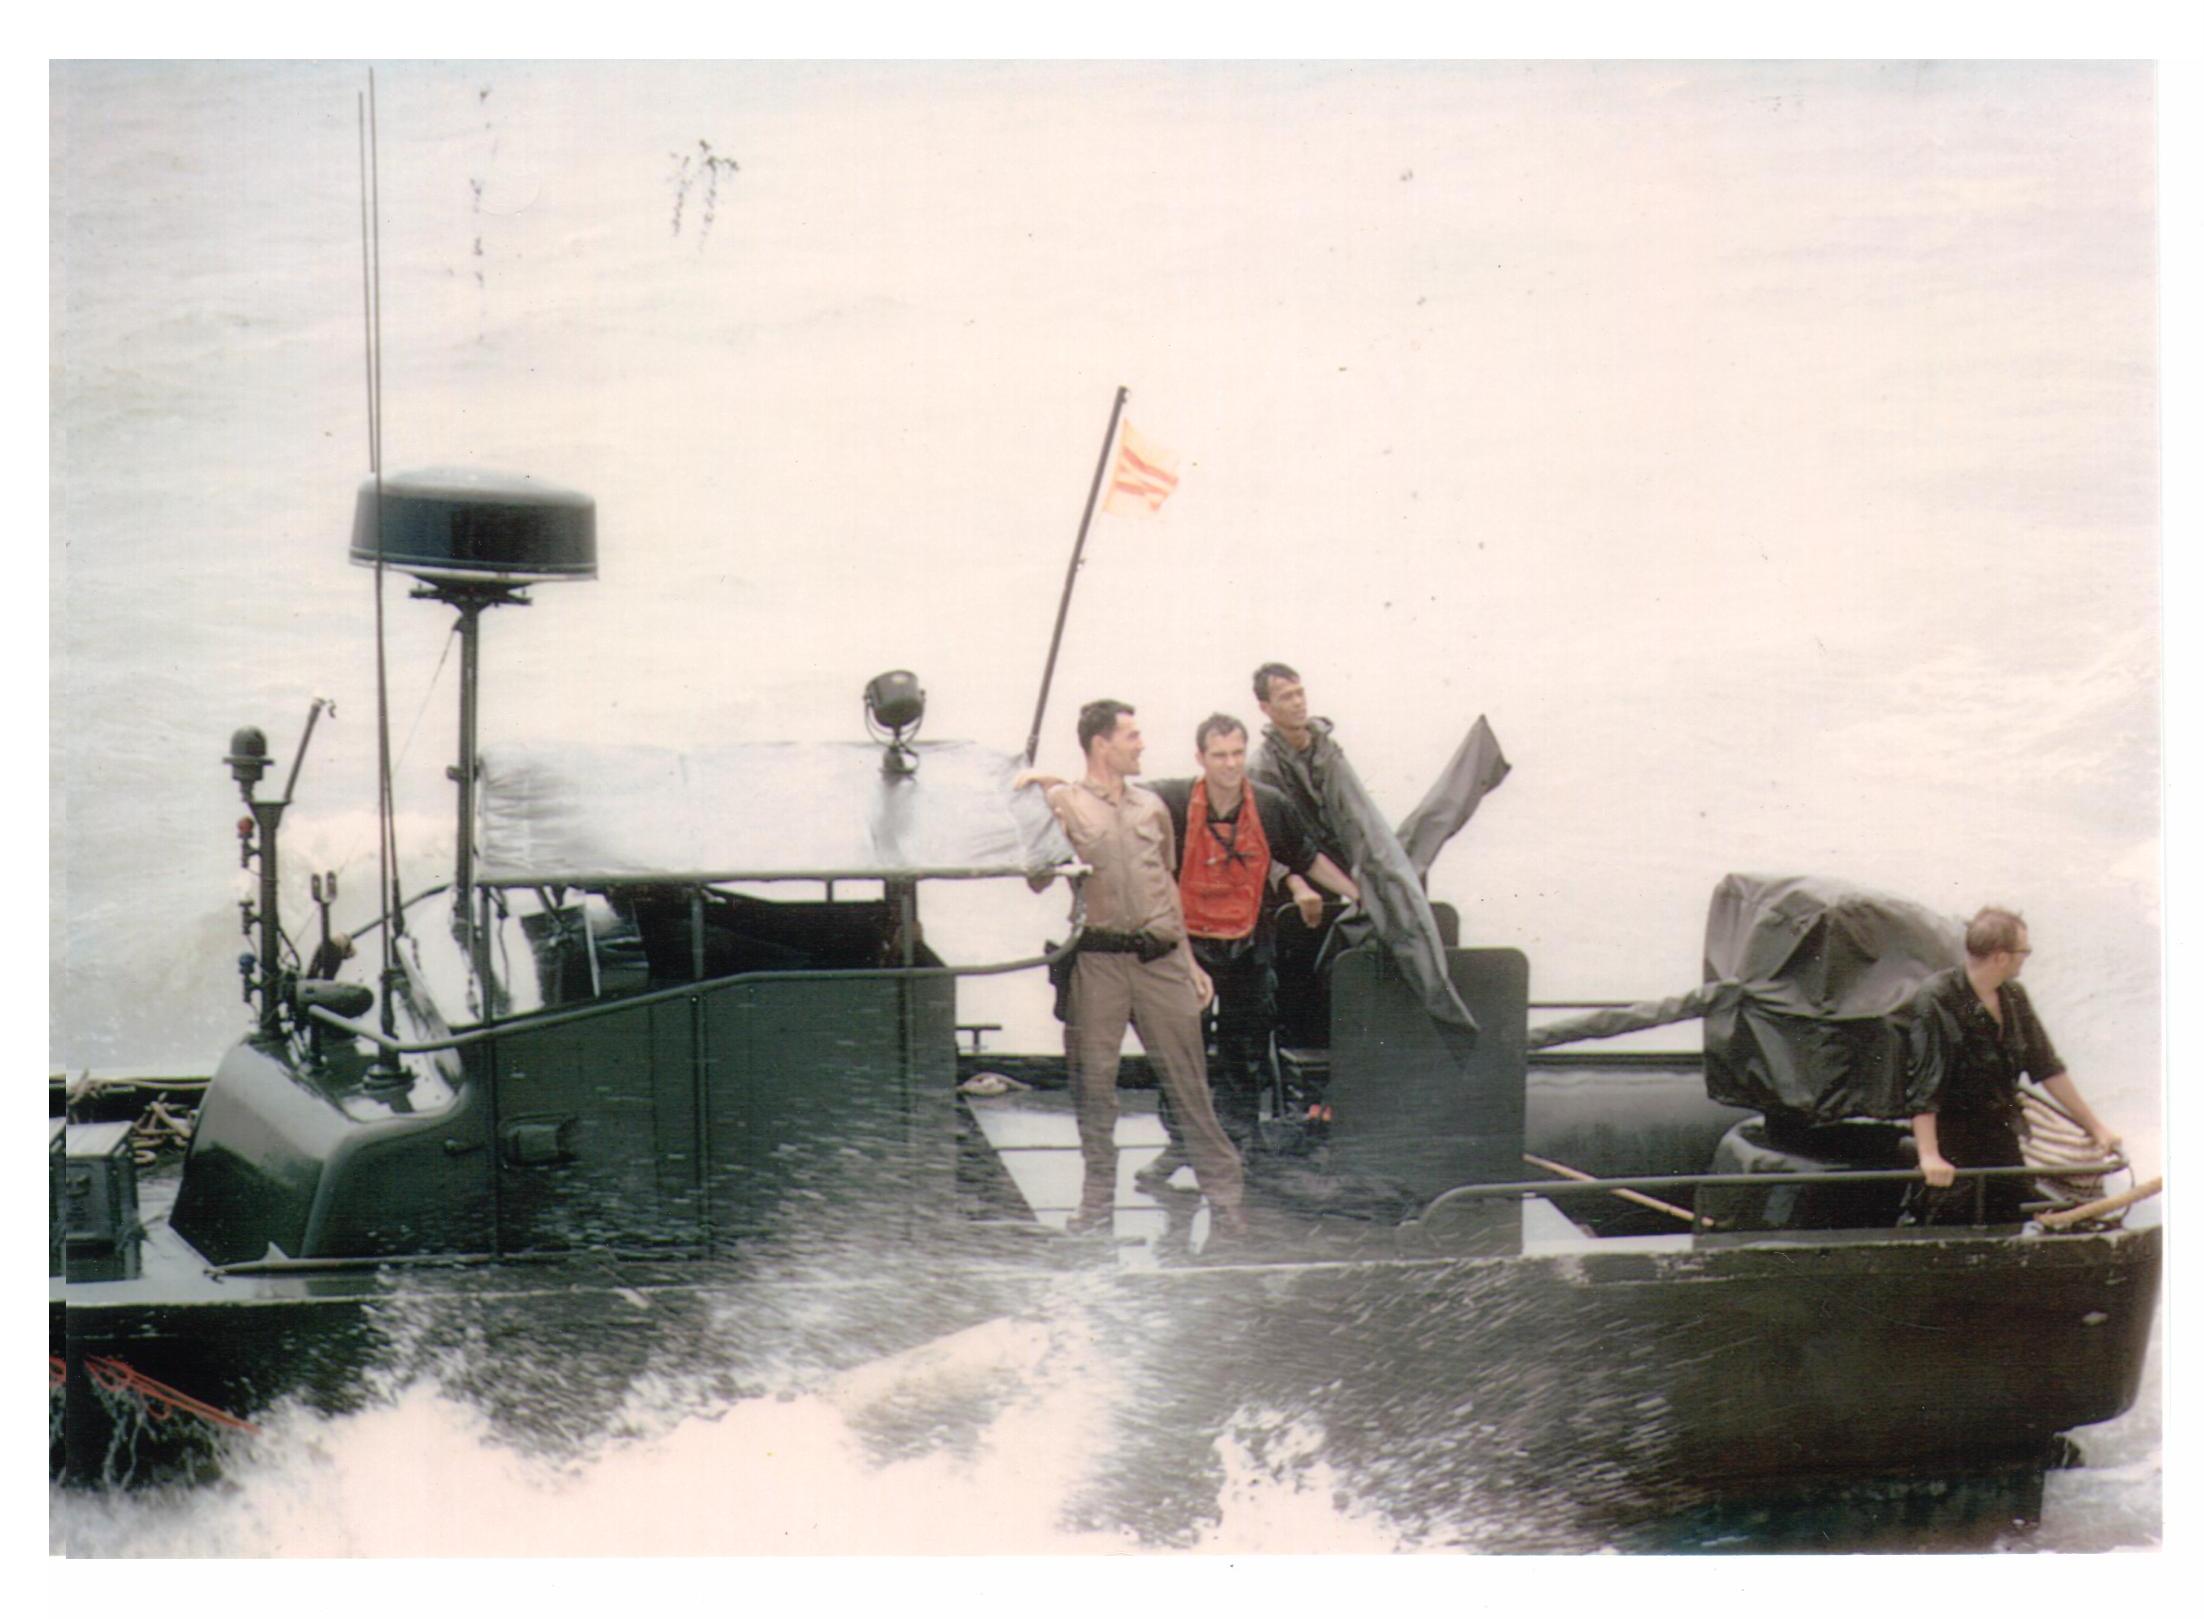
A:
(1128, 843)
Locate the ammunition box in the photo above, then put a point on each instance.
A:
(99, 1204)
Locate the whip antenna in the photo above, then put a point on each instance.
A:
(473, 540)
(371, 292)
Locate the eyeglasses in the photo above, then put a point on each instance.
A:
(2028, 952)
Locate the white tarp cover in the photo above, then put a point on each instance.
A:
(573, 814)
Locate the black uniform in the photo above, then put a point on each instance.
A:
(1965, 1067)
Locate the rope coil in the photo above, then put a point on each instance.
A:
(2051, 1140)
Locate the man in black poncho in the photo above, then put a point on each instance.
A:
(1296, 754)
(1974, 1034)
(1300, 759)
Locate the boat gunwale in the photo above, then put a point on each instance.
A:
(658, 1270)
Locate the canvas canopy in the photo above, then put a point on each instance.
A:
(581, 814)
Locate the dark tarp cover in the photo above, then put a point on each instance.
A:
(1609, 1021)
(1825, 971)
(1322, 784)
(573, 814)
(1808, 981)
(1478, 766)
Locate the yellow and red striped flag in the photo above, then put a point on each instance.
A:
(1142, 478)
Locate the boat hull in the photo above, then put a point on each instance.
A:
(1600, 1381)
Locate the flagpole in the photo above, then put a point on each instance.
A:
(1071, 577)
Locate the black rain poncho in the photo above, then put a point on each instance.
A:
(1323, 786)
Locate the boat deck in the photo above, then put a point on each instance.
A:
(1035, 1136)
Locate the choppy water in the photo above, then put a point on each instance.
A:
(1085, 1421)
(824, 1471)
(1770, 452)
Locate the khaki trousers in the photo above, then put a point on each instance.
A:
(1107, 990)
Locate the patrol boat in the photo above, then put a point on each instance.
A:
(672, 1047)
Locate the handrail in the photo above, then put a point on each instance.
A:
(429, 892)
(340, 1265)
(1812, 1177)
(1763, 1177)
(594, 881)
(1334, 907)
(580, 1014)
(1071, 868)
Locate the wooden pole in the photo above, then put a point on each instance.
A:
(1566, 1173)
(2104, 1205)
(1071, 577)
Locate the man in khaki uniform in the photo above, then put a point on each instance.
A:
(1133, 964)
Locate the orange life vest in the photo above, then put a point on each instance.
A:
(1221, 882)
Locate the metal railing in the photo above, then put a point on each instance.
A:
(1698, 1184)
(688, 989)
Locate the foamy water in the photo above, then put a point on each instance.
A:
(783, 1475)
(799, 1473)
(1006, 1437)
(1769, 452)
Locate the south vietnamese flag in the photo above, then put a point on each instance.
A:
(1142, 477)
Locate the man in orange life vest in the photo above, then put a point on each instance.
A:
(1230, 831)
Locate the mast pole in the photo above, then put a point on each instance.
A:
(470, 670)
(1071, 576)
(270, 817)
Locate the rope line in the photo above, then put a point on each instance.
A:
(160, 1401)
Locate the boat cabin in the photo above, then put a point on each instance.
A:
(690, 991)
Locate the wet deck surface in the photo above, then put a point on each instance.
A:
(1036, 1136)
